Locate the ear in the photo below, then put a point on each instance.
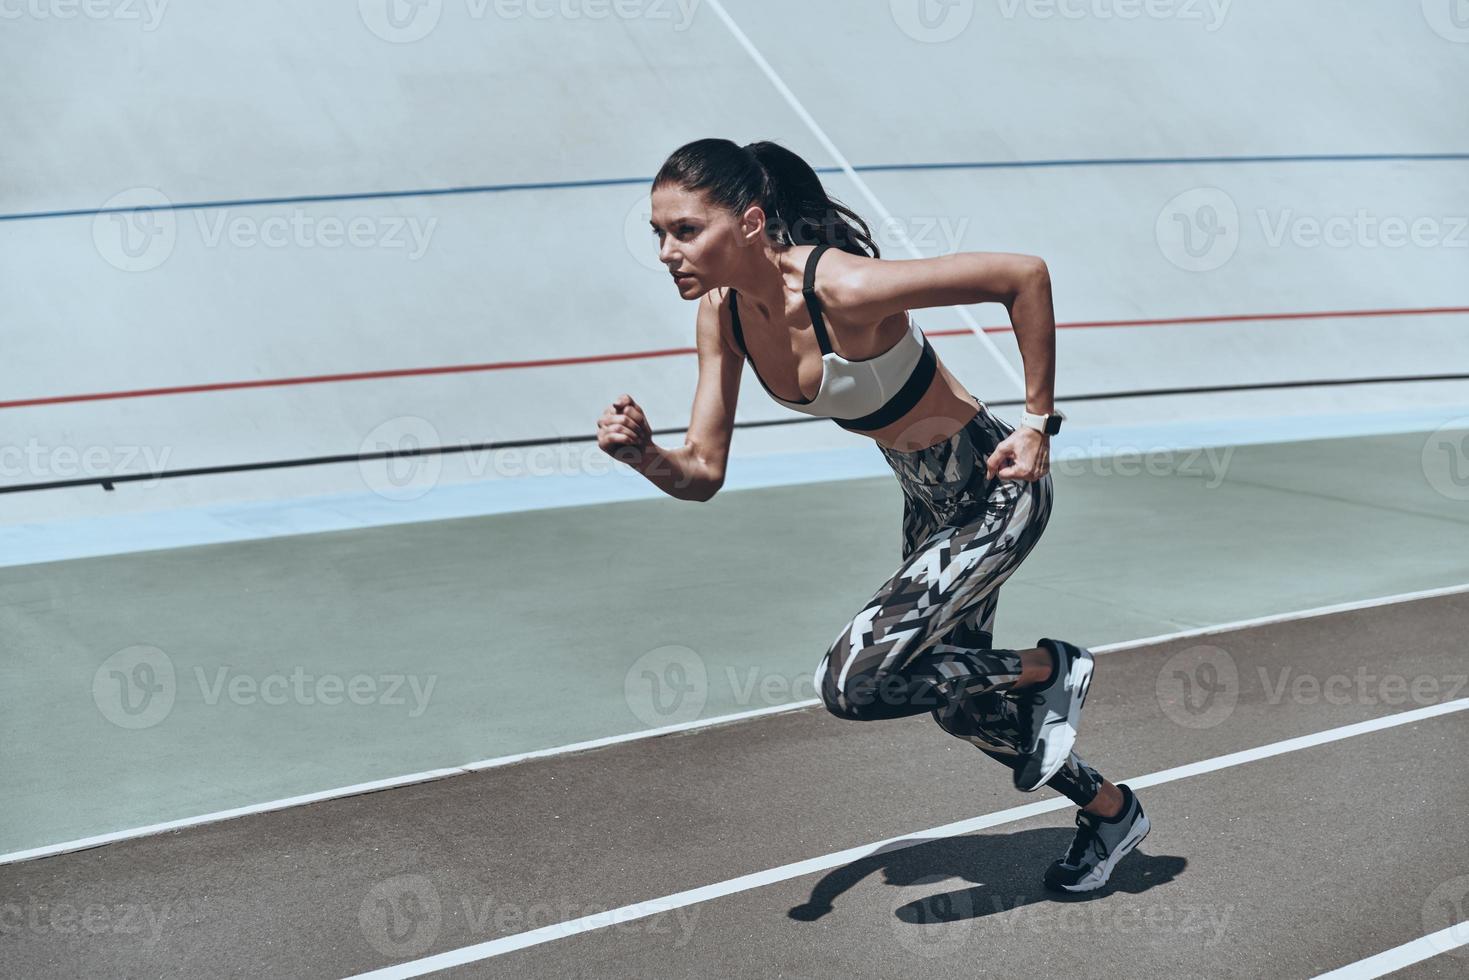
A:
(752, 225)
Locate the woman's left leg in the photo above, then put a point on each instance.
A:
(897, 657)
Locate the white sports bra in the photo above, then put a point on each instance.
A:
(860, 395)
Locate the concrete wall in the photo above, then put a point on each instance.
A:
(237, 106)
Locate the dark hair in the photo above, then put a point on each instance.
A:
(798, 211)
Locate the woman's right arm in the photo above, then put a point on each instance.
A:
(695, 470)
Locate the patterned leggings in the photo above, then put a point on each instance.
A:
(924, 641)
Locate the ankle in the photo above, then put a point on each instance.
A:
(1038, 667)
(1109, 802)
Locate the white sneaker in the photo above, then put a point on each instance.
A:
(1098, 846)
(1048, 716)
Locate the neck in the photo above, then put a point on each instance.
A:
(761, 280)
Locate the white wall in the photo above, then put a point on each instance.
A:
(226, 102)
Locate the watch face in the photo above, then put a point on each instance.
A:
(1053, 424)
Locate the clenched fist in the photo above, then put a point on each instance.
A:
(623, 431)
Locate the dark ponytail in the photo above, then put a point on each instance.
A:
(797, 209)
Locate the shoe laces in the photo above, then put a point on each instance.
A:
(1087, 835)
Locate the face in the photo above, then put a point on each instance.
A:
(697, 242)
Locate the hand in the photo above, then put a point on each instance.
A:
(623, 432)
(1024, 455)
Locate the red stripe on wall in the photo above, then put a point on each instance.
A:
(676, 351)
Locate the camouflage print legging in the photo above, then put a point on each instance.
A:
(924, 641)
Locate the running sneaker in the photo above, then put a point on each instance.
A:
(1048, 716)
(1099, 844)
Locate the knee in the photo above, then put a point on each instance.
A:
(837, 691)
(876, 697)
(840, 701)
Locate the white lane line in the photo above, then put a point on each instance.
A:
(356, 789)
(1402, 956)
(640, 910)
(887, 219)
(64, 847)
(1286, 617)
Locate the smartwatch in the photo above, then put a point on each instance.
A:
(1049, 424)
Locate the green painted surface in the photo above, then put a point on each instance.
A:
(530, 627)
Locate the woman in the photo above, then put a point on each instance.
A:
(790, 279)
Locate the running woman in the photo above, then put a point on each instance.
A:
(790, 278)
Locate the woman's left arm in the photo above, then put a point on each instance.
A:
(872, 289)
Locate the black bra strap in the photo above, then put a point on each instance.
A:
(734, 322)
(813, 305)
